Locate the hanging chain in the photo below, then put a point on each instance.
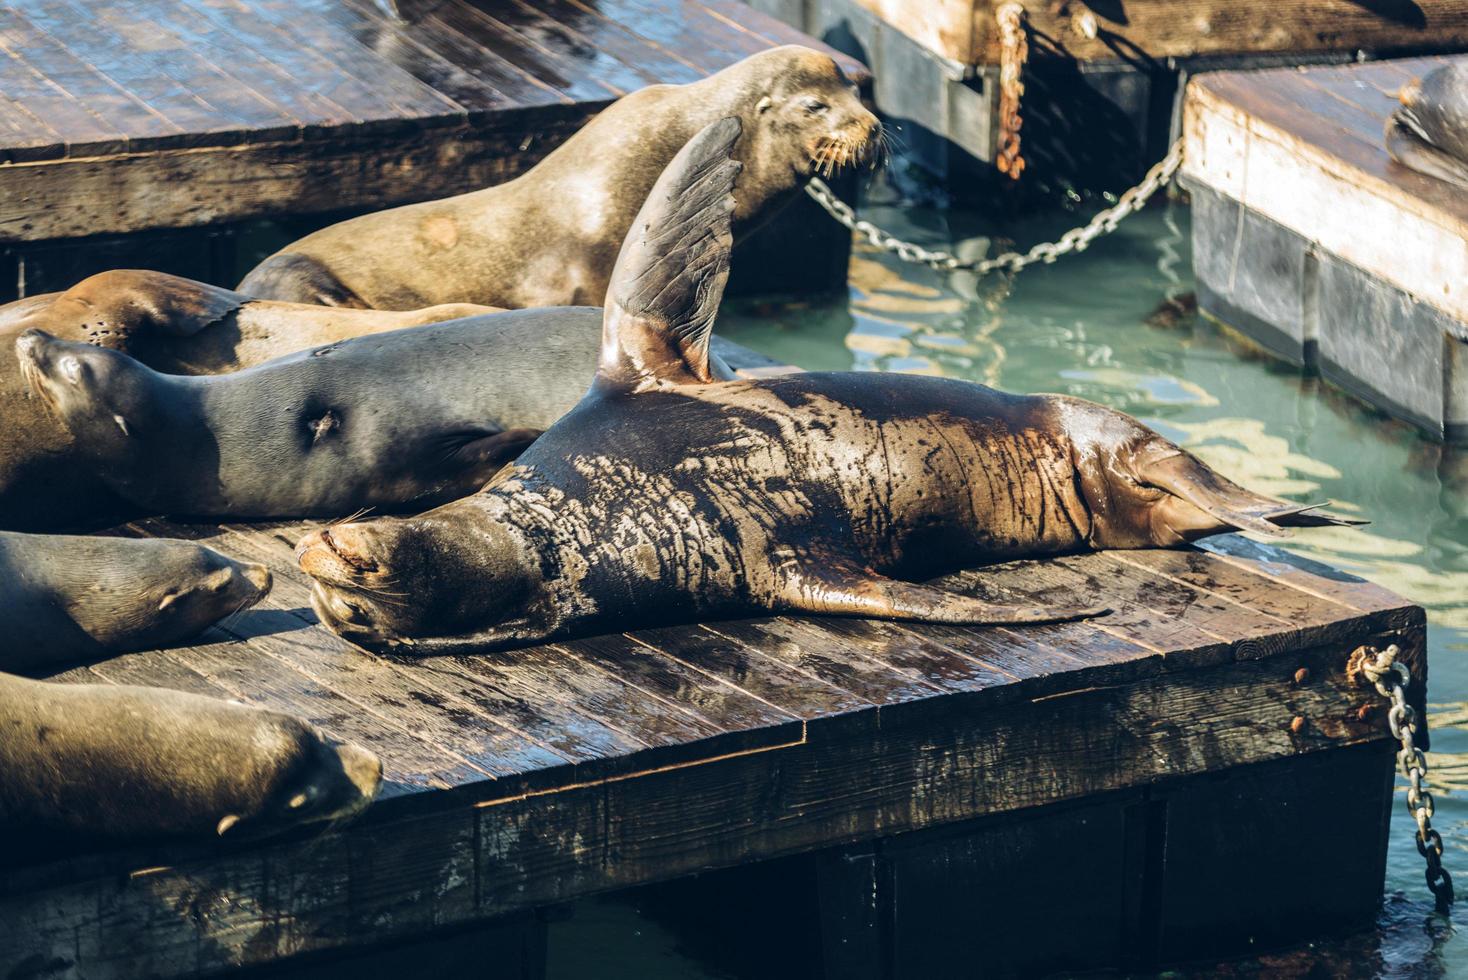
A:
(1014, 51)
(1075, 240)
(1391, 678)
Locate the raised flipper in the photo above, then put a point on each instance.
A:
(669, 277)
(294, 278)
(838, 589)
(113, 309)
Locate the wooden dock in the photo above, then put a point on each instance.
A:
(1103, 80)
(1309, 239)
(183, 120)
(1152, 785)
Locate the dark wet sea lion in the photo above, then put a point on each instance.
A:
(550, 236)
(668, 494)
(65, 599)
(1429, 133)
(171, 324)
(130, 762)
(406, 418)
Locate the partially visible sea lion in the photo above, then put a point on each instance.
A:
(65, 599)
(172, 324)
(138, 762)
(401, 419)
(1429, 133)
(668, 494)
(550, 236)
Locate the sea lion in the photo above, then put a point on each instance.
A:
(172, 324)
(1429, 132)
(669, 494)
(130, 762)
(408, 418)
(65, 599)
(549, 237)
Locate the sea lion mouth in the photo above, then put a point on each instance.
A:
(833, 152)
(358, 563)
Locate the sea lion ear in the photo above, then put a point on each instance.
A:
(669, 277)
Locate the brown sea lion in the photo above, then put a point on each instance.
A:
(138, 762)
(669, 494)
(1429, 133)
(65, 599)
(550, 236)
(172, 324)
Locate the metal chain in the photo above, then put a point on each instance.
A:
(1391, 678)
(1014, 51)
(1075, 240)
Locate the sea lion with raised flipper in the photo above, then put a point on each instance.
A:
(139, 762)
(668, 494)
(65, 599)
(404, 419)
(1429, 132)
(172, 324)
(550, 236)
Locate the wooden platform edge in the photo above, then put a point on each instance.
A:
(390, 877)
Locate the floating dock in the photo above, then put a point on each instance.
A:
(158, 131)
(1103, 79)
(1309, 239)
(1127, 791)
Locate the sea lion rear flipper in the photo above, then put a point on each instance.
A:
(669, 277)
(114, 308)
(837, 590)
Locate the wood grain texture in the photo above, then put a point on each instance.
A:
(120, 117)
(964, 30)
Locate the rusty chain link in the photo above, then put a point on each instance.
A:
(1391, 678)
(1075, 240)
(1014, 51)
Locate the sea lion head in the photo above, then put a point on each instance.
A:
(380, 582)
(93, 391)
(807, 115)
(1143, 491)
(138, 594)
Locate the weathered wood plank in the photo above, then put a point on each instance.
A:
(619, 42)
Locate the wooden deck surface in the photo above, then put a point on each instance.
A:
(260, 107)
(530, 777)
(1305, 148)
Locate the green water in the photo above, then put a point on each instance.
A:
(1081, 327)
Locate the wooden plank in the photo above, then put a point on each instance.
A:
(683, 26)
(741, 16)
(521, 87)
(152, 81)
(89, 87)
(621, 43)
(1160, 29)
(259, 180)
(544, 64)
(567, 48)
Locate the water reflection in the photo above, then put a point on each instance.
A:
(1114, 325)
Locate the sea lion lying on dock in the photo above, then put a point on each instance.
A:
(130, 762)
(408, 418)
(550, 236)
(173, 325)
(65, 599)
(1429, 133)
(669, 494)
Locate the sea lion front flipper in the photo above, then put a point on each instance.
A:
(113, 309)
(839, 590)
(669, 277)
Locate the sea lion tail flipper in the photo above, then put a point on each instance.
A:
(112, 308)
(834, 590)
(669, 277)
(295, 278)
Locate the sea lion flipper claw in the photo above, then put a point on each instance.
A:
(837, 591)
(669, 277)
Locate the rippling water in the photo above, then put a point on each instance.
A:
(1115, 325)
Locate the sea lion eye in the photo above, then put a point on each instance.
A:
(815, 106)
